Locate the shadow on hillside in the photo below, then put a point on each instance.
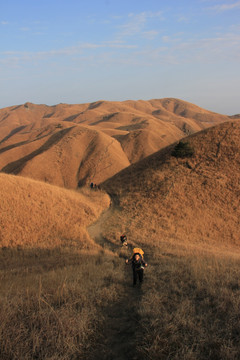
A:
(87, 292)
(120, 331)
(168, 254)
(37, 260)
(16, 166)
(121, 326)
(114, 200)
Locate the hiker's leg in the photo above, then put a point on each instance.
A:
(134, 277)
(140, 275)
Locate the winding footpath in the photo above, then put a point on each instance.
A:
(121, 323)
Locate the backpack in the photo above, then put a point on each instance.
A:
(138, 251)
(123, 238)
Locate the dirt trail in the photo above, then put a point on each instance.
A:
(121, 326)
(95, 231)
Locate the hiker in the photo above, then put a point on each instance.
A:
(123, 239)
(91, 185)
(138, 265)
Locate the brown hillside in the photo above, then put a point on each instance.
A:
(38, 215)
(184, 200)
(183, 211)
(68, 145)
(235, 117)
(70, 157)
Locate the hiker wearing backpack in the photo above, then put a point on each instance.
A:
(138, 266)
(123, 239)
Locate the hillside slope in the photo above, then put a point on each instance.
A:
(38, 215)
(184, 200)
(183, 211)
(68, 158)
(96, 140)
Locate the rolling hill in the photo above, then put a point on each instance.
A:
(191, 199)
(71, 145)
(64, 296)
(41, 216)
(182, 208)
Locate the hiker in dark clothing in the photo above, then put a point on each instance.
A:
(138, 265)
(123, 239)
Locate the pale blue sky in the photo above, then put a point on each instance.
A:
(77, 51)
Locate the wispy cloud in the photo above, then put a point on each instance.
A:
(4, 22)
(182, 19)
(176, 50)
(118, 44)
(25, 29)
(137, 22)
(150, 35)
(173, 48)
(208, 50)
(20, 57)
(226, 6)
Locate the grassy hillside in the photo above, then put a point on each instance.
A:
(53, 280)
(72, 145)
(184, 212)
(185, 200)
(75, 300)
(38, 215)
(68, 157)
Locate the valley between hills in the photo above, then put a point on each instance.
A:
(70, 145)
(169, 178)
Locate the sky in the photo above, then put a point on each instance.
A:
(81, 51)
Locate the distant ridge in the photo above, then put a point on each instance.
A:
(94, 140)
(237, 117)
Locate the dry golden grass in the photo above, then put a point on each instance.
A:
(71, 145)
(53, 280)
(185, 214)
(69, 157)
(61, 303)
(51, 302)
(190, 200)
(190, 308)
(35, 214)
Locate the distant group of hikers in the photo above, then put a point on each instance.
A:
(94, 186)
(136, 260)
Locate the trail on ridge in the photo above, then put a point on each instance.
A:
(120, 328)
